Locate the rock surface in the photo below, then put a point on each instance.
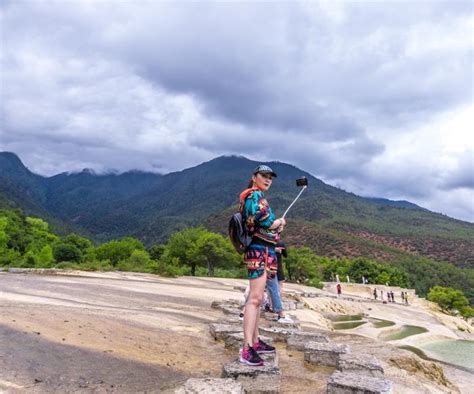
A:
(211, 385)
(363, 364)
(221, 331)
(299, 340)
(279, 334)
(354, 383)
(235, 341)
(264, 379)
(324, 353)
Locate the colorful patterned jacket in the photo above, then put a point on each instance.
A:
(258, 215)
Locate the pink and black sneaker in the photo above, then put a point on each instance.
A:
(249, 356)
(261, 347)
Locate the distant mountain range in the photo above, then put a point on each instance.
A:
(152, 206)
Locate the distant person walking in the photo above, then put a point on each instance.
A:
(403, 297)
(260, 258)
(375, 294)
(406, 298)
(339, 289)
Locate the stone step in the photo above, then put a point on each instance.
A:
(320, 353)
(225, 304)
(274, 322)
(277, 324)
(355, 383)
(235, 341)
(264, 379)
(221, 331)
(299, 340)
(279, 334)
(230, 310)
(211, 385)
(289, 305)
(230, 319)
(363, 364)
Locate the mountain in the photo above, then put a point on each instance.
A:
(152, 206)
(399, 203)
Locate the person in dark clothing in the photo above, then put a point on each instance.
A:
(375, 294)
(281, 251)
(275, 289)
(339, 289)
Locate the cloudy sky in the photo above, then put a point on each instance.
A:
(375, 97)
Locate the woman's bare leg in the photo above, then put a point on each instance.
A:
(255, 330)
(252, 308)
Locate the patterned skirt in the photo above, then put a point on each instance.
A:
(259, 259)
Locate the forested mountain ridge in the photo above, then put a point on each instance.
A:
(152, 206)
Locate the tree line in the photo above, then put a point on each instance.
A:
(28, 242)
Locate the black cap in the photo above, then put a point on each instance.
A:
(264, 169)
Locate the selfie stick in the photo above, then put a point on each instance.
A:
(298, 196)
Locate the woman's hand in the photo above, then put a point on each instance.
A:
(282, 225)
(278, 224)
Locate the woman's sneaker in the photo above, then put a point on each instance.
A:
(261, 347)
(249, 356)
(285, 320)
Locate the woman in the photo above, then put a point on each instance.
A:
(260, 258)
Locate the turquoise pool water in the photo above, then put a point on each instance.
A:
(405, 331)
(459, 352)
(340, 318)
(379, 323)
(347, 325)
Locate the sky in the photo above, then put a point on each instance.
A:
(374, 97)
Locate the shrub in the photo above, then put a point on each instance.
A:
(66, 252)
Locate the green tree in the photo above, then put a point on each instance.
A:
(213, 250)
(66, 252)
(448, 298)
(383, 278)
(156, 251)
(38, 234)
(80, 242)
(3, 235)
(362, 267)
(197, 247)
(304, 265)
(181, 248)
(116, 251)
(467, 312)
(29, 259)
(45, 256)
(332, 267)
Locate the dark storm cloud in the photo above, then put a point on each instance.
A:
(271, 66)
